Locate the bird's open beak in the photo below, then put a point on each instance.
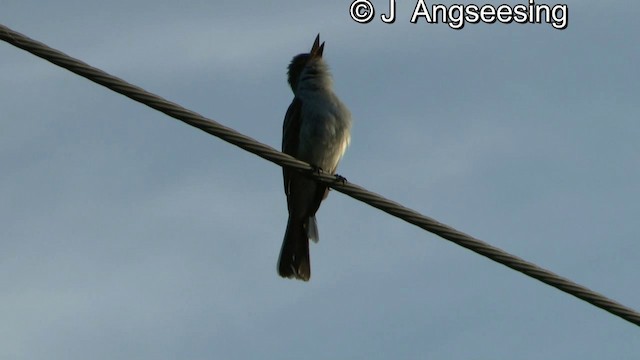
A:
(317, 48)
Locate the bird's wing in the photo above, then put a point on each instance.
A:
(291, 137)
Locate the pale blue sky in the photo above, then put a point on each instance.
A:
(127, 234)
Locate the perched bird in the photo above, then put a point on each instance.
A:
(316, 130)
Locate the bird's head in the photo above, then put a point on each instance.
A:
(301, 61)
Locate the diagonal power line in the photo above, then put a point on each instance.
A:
(229, 135)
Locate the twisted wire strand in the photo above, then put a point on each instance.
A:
(266, 152)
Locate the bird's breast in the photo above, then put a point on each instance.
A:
(324, 131)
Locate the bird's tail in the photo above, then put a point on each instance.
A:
(294, 255)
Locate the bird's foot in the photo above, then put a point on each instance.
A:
(341, 179)
(316, 169)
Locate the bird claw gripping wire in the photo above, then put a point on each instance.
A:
(317, 170)
(341, 179)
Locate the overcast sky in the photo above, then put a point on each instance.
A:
(126, 234)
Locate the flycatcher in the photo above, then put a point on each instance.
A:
(316, 130)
